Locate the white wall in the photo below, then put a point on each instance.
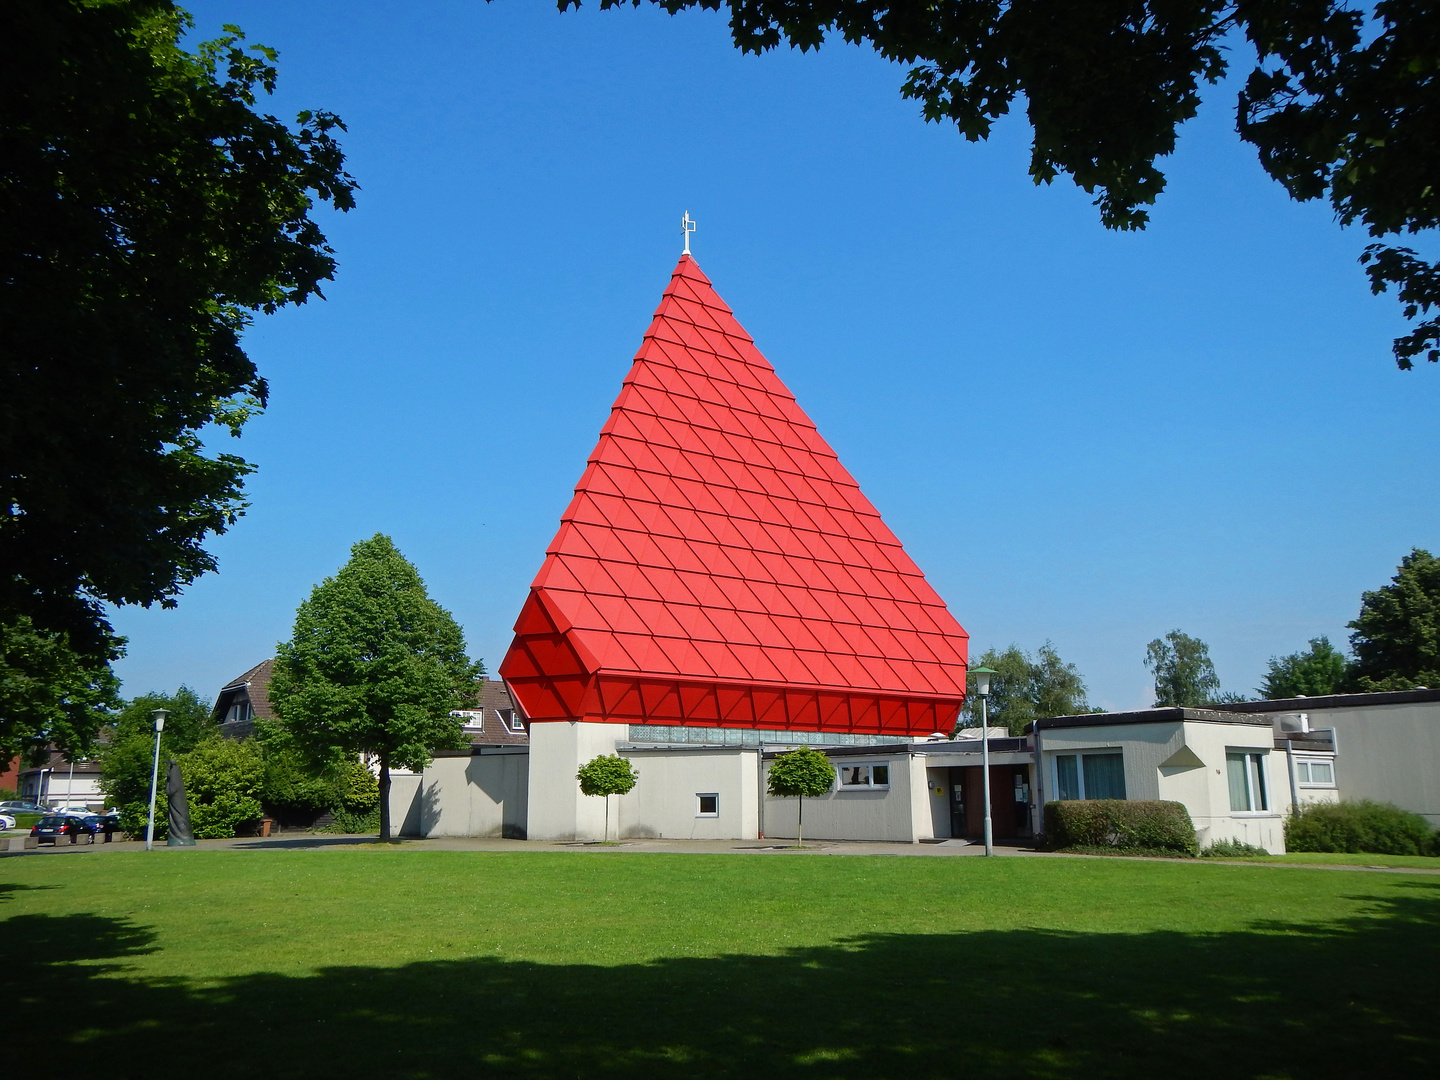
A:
(664, 804)
(477, 795)
(557, 810)
(858, 815)
(1389, 753)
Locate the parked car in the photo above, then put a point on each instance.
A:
(20, 806)
(6, 821)
(78, 811)
(111, 818)
(53, 826)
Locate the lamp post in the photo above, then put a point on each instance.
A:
(981, 677)
(159, 715)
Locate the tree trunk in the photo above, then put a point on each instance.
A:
(606, 838)
(384, 798)
(800, 830)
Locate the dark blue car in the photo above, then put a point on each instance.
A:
(52, 827)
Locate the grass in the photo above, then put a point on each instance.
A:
(368, 961)
(1323, 858)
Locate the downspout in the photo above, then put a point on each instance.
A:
(1290, 767)
(1039, 822)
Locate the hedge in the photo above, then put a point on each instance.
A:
(1121, 825)
(1360, 826)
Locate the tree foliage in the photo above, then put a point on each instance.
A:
(51, 694)
(1396, 639)
(126, 759)
(374, 667)
(1322, 670)
(1341, 102)
(605, 775)
(147, 209)
(1184, 674)
(1026, 688)
(223, 781)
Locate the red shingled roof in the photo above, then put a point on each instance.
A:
(718, 565)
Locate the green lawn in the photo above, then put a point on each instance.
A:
(1317, 858)
(372, 962)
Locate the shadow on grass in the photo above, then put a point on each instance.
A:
(1355, 999)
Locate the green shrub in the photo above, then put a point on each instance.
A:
(223, 778)
(349, 821)
(1361, 826)
(1121, 825)
(1232, 849)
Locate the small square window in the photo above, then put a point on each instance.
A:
(708, 805)
(511, 719)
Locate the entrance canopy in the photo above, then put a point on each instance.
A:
(719, 567)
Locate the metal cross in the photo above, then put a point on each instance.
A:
(687, 226)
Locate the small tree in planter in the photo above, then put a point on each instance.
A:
(799, 773)
(606, 775)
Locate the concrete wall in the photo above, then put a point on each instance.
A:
(664, 801)
(859, 815)
(1184, 762)
(557, 750)
(1389, 753)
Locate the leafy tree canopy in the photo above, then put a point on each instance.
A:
(126, 759)
(1184, 674)
(374, 667)
(1341, 102)
(1396, 639)
(1026, 688)
(147, 209)
(223, 781)
(800, 773)
(1320, 671)
(608, 774)
(49, 693)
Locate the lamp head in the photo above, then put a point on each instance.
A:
(159, 715)
(981, 676)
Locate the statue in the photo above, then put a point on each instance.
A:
(180, 834)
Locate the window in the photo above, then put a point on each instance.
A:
(1245, 771)
(853, 777)
(473, 719)
(511, 719)
(1090, 776)
(1315, 773)
(708, 805)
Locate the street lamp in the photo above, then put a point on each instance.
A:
(159, 715)
(980, 676)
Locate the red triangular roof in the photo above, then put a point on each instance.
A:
(716, 546)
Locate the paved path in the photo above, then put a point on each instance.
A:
(942, 849)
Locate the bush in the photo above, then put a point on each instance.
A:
(223, 778)
(1361, 826)
(1232, 849)
(350, 821)
(1120, 826)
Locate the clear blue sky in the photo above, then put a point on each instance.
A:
(1079, 435)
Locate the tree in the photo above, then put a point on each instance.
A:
(1026, 688)
(606, 775)
(49, 693)
(1183, 672)
(799, 773)
(126, 759)
(374, 667)
(1396, 639)
(1341, 103)
(1320, 671)
(147, 210)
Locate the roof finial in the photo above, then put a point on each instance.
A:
(687, 226)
